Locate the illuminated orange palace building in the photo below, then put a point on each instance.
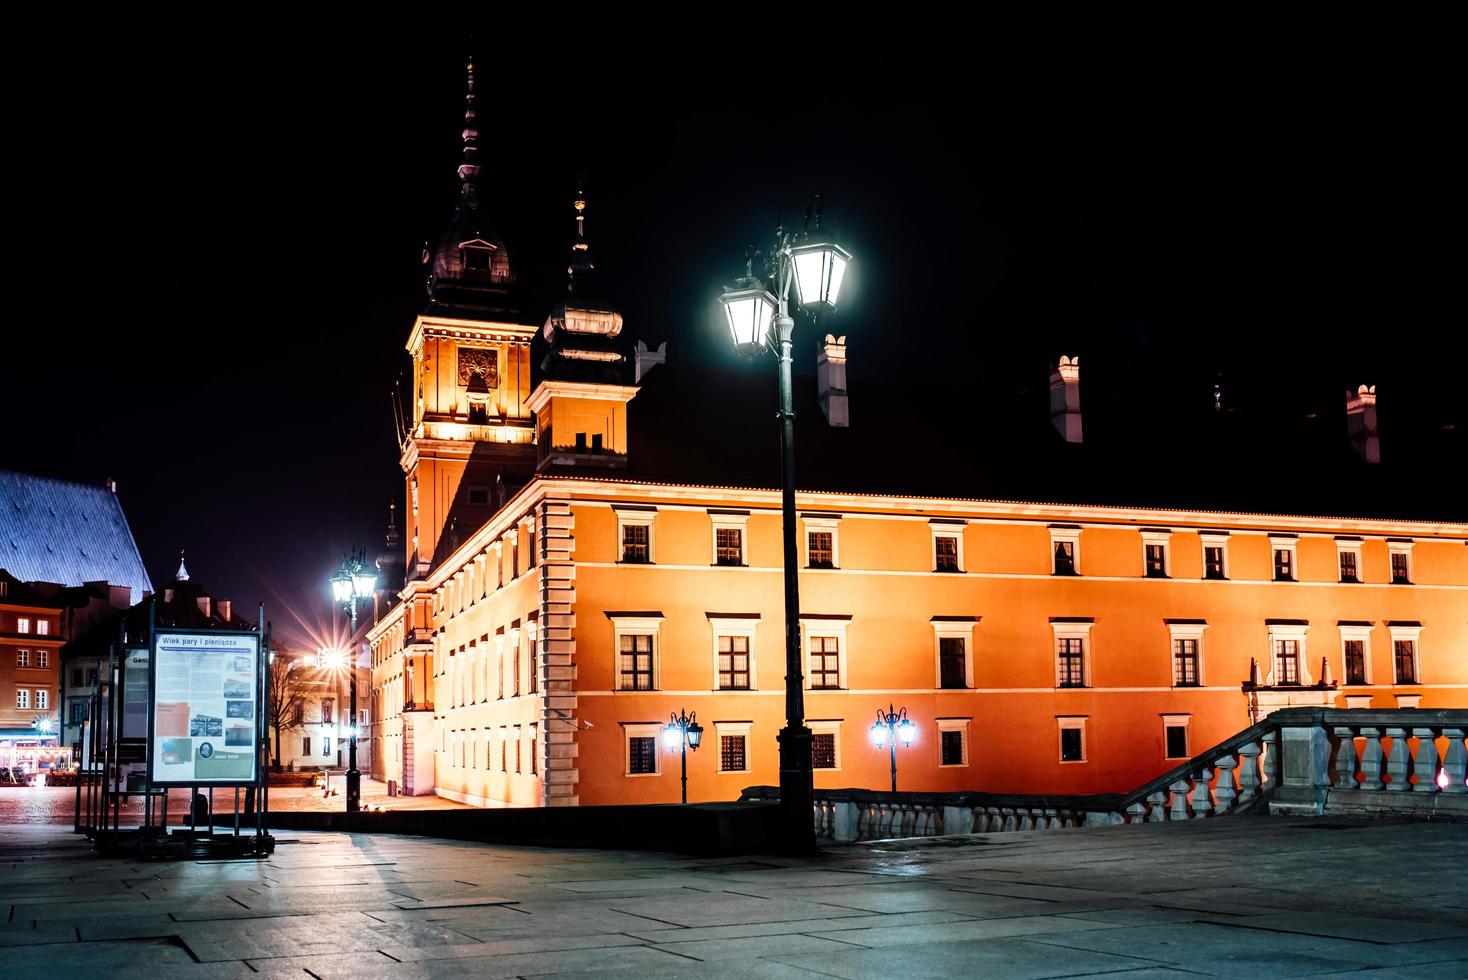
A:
(592, 542)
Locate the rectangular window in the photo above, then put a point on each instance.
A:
(596, 448)
(729, 546)
(1405, 653)
(820, 547)
(1156, 561)
(945, 550)
(823, 750)
(326, 745)
(1177, 741)
(22, 658)
(478, 495)
(43, 658)
(1287, 653)
(78, 712)
(22, 625)
(1071, 651)
(950, 747)
(43, 699)
(636, 544)
(636, 662)
(22, 698)
(1284, 565)
(43, 626)
(91, 676)
(825, 662)
(517, 748)
(533, 761)
(1355, 661)
(731, 753)
(952, 662)
(328, 710)
(1213, 561)
(1072, 744)
(581, 442)
(1348, 567)
(1065, 558)
(1185, 663)
(734, 663)
(76, 677)
(642, 755)
(305, 745)
(1400, 571)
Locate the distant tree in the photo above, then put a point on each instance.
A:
(285, 698)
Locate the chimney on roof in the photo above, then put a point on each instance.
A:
(203, 602)
(1065, 398)
(645, 359)
(831, 381)
(110, 484)
(224, 609)
(1361, 422)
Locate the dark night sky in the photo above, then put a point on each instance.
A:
(211, 251)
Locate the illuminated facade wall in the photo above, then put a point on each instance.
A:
(30, 654)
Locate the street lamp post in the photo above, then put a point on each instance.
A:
(890, 726)
(354, 580)
(683, 732)
(759, 321)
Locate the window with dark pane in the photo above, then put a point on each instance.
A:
(825, 662)
(951, 746)
(1406, 657)
(952, 662)
(1284, 565)
(820, 549)
(734, 663)
(1156, 561)
(946, 550)
(731, 753)
(1072, 661)
(729, 546)
(1355, 661)
(1177, 741)
(823, 750)
(1065, 558)
(1399, 569)
(1185, 663)
(1287, 653)
(635, 538)
(1348, 567)
(636, 662)
(1213, 561)
(642, 755)
(1072, 745)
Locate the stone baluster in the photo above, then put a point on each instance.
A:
(1269, 760)
(1371, 758)
(1248, 772)
(1136, 813)
(1224, 793)
(1052, 819)
(1156, 804)
(1202, 802)
(1179, 810)
(1345, 758)
(1455, 761)
(1425, 763)
(1397, 761)
(1009, 821)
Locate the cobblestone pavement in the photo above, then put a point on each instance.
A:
(1239, 897)
(55, 804)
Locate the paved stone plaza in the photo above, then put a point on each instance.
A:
(1252, 897)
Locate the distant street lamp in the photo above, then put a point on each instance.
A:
(758, 321)
(683, 732)
(890, 726)
(354, 580)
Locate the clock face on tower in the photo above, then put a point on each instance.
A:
(478, 366)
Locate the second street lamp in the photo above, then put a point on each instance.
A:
(760, 320)
(893, 726)
(683, 732)
(354, 580)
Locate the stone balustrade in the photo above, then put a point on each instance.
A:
(1311, 761)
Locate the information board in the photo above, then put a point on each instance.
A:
(135, 700)
(206, 707)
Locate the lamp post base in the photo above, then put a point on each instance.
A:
(797, 793)
(354, 791)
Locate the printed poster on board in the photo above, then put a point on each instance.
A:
(205, 705)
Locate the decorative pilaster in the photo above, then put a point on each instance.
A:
(556, 659)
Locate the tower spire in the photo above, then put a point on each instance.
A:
(581, 266)
(182, 575)
(469, 165)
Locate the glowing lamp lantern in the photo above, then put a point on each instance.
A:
(672, 737)
(695, 735)
(341, 586)
(364, 580)
(906, 731)
(819, 269)
(749, 310)
(879, 735)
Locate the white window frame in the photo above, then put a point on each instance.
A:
(639, 625)
(826, 627)
(725, 520)
(1414, 634)
(1399, 548)
(638, 518)
(953, 725)
(740, 728)
(22, 624)
(1288, 631)
(1185, 631)
(1290, 544)
(963, 630)
(43, 626)
(1362, 633)
(642, 730)
(43, 699)
(1066, 534)
(1063, 722)
(828, 524)
(1215, 540)
(22, 658)
(1071, 631)
(731, 626)
(833, 727)
(1345, 546)
(22, 698)
(1177, 721)
(43, 659)
(947, 529)
(1163, 538)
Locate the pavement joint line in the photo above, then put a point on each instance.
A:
(670, 952)
(676, 925)
(389, 956)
